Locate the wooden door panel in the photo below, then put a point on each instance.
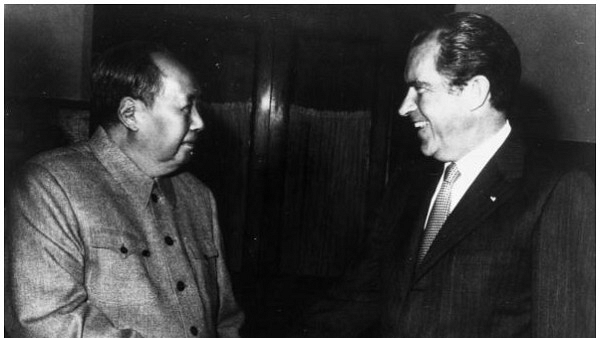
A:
(325, 189)
(327, 154)
(334, 73)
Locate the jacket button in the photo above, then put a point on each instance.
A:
(169, 240)
(124, 249)
(146, 253)
(180, 286)
(194, 330)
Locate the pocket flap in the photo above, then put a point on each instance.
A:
(122, 242)
(209, 249)
(206, 249)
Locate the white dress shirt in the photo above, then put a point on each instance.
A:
(470, 166)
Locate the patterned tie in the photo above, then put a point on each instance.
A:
(440, 210)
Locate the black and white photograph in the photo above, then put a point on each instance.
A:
(289, 170)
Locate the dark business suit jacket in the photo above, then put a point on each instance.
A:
(515, 258)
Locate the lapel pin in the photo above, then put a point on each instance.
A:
(493, 198)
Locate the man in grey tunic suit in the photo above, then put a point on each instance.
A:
(109, 238)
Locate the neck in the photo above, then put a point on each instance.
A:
(486, 129)
(126, 141)
(482, 130)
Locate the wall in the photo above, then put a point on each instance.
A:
(47, 49)
(558, 52)
(47, 52)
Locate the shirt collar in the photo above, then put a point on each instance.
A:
(133, 180)
(473, 162)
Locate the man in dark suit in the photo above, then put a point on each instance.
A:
(490, 241)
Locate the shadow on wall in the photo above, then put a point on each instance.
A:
(540, 125)
(533, 116)
(31, 70)
(40, 77)
(28, 74)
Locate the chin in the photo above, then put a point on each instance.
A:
(425, 150)
(178, 162)
(181, 162)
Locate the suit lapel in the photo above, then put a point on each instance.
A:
(433, 180)
(431, 177)
(494, 185)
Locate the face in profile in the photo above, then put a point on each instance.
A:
(169, 126)
(437, 110)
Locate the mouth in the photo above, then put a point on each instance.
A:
(188, 148)
(421, 124)
(189, 144)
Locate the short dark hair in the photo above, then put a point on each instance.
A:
(473, 44)
(124, 70)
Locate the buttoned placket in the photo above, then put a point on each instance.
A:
(179, 268)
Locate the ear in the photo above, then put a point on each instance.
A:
(129, 109)
(477, 92)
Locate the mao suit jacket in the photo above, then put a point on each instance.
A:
(515, 258)
(95, 248)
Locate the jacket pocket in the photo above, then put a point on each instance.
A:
(204, 256)
(206, 249)
(118, 273)
(123, 243)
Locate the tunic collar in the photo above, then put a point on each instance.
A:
(133, 180)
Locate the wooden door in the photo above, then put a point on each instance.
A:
(327, 153)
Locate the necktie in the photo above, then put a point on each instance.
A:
(440, 210)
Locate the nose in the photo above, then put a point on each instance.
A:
(197, 123)
(408, 105)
